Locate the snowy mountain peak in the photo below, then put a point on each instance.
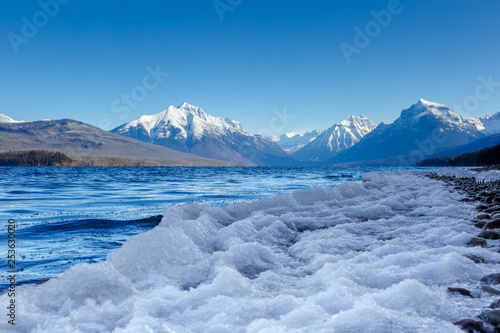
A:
(491, 123)
(353, 121)
(423, 102)
(188, 128)
(293, 141)
(7, 119)
(336, 139)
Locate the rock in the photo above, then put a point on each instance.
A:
(492, 317)
(495, 216)
(490, 199)
(482, 207)
(495, 305)
(461, 291)
(496, 200)
(489, 234)
(480, 225)
(493, 209)
(492, 278)
(490, 290)
(483, 217)
(476, 241)
(471, 325)
(495, 224)
(483, 194)
(476, 259)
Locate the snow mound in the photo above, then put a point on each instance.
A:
(490, 175)
(371, 256)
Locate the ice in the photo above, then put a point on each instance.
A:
(490, 175)
(371, 256)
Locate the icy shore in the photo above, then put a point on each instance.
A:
(372, 256)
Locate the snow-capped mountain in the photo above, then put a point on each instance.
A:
(291, 141)
(422, 130)
(336, 139)
(189, 129)
(6, 119)
(491, 124)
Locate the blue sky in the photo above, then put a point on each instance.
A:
(261, 58)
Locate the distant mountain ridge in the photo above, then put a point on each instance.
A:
(336, 139)
(86, 143)
(424, 130)
(189, 129)
(291, 142)
(419, 132)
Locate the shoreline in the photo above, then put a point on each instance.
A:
(487, 219)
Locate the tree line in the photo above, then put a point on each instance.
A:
(34, 158)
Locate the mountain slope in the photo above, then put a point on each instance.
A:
(189, 129)
(483, 157)
(87, 143)
(489, 141)
(291, 142)
(336, 139)
(6, 119)
(491, 123)
(419, 132)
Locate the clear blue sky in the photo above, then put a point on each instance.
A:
(263, 55)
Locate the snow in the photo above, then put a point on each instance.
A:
(491, 123)
(371, 256)
(186, 118)
(490, 175)
(336, 139)
(6, 119)
(292, 141)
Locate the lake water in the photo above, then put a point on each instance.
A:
(69, 215)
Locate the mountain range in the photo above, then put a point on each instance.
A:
(91, 145)
(335, 140)
(291, 141)
(424, 129)
(189, 129)
(187, 135)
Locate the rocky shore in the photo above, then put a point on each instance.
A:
(487, 219)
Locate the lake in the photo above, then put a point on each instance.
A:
(67, 215)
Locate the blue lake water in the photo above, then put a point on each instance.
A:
(69, 215)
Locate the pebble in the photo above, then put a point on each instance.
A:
(480, 225)
(492, 317)
(461, 291)
(483, 217)
(492, 278)
(490, 290)
(476, 259)
(471, 325)
(477, 241)
(495, 224)
(489, 234)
